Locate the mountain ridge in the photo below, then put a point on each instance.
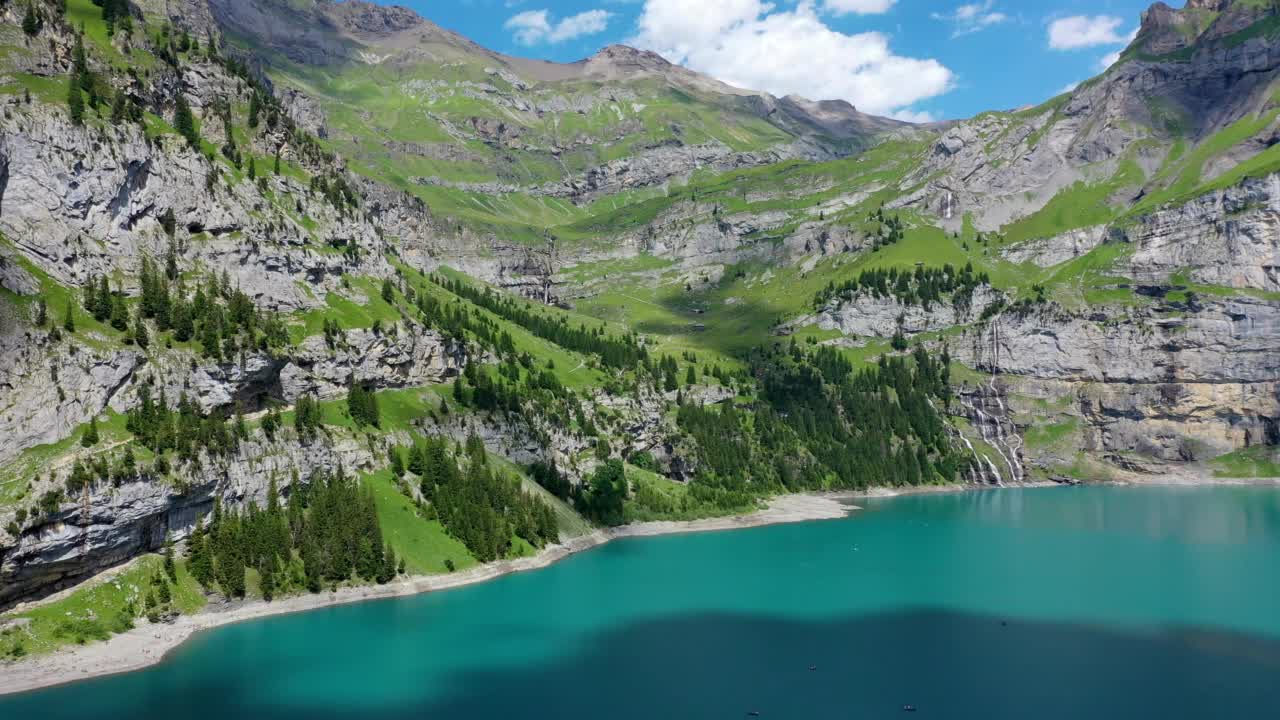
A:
(262, 214)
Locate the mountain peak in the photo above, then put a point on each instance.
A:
(370, 19)
(621, 60)
(1165, 30)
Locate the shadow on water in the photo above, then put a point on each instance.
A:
(946, 664)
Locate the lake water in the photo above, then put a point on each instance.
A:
(1089, 602)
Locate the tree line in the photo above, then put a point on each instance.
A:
(328, 535)
(924, 286)
(480, 506)
(619, 352)
(820, 424)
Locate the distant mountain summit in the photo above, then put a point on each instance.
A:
(1201, 22)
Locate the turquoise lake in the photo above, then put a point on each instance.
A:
(1089, 602)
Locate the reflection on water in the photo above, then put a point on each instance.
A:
(946, 664)
(1047, 603)
(1226, 515)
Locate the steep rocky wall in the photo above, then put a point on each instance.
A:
(866, 315)
(1159, 387)
(47, 390)
(51, 388)
(1001, 167)
(1229, 237)
(109, 525)
(77, 204)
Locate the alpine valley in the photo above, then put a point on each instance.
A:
(299, 295)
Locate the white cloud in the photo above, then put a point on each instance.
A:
(859, 7)
(1069, 87)
(750, 44)
(1081, 31)
(913, 116)
(532, 27)
(1108, 60)
(972, 18)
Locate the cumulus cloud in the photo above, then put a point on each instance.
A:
(972, 18)
(1108, 60)
(914, 116)
(859, 7)
(533, 27)
(1082, 31)
(752, 44)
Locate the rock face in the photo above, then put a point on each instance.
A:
(867, 315)
(658, 165)
(412, 358)
(112, 524)
(1047, 252)
(1171, 386)
(1229, 237)
(999, 167)
(75, 211)
(48, 390)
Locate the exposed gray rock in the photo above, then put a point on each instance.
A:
(411, 358)
(867, 315)
(1047, 252)
(113, 524)
(1167, 386)
(47, 390)
(76, 208)
(1229, 237)
(14, 278)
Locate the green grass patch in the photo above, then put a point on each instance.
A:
(422, 543)
(1254, 462)
(92, 614)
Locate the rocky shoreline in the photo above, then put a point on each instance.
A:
(147, 645)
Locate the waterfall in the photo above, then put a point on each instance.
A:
(993, 442)
(948, 205)
(1015, 465)
(973, 469)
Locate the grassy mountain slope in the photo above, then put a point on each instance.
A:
(615, 260)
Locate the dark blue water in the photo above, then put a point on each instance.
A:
(1056, 603)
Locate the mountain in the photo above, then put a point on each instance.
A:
(252, 246)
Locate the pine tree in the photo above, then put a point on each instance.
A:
(79, 61)
(362, 405)
(42, 312)
(69, 317)
(267, 579)
(75, 102)
(119, 314)
(255, 106)
(170, 567)
(199, 558)
(387, 572)
(119, 108)
(184, 122)
(140, 334)
(277, 162)
(253, 169)
(90, 436)
(103, 304)
(31, 22)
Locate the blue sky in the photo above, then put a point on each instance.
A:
(916, 59)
